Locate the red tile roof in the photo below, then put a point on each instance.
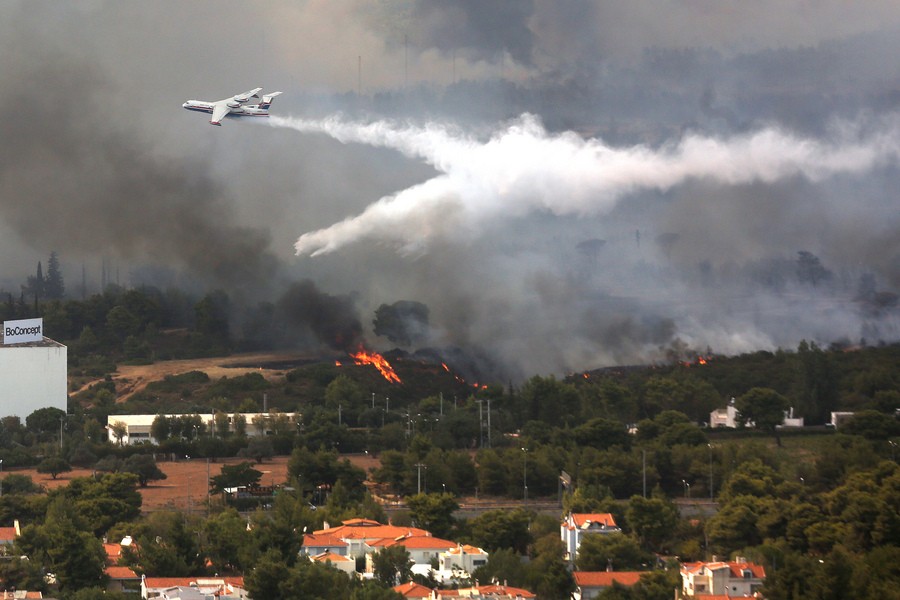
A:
(606, 578)
(736, 569)
(168, 582)
(415, 542)
(505, 589)
(323, 540)
(7, 534)
(580, 519)
(362, 529)
(413, 590)
(121, 573)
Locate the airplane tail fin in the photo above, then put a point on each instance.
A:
(267, 99)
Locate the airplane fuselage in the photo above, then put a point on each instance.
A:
(238, 111)
(236, 106)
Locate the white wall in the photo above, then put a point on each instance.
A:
(32, 377)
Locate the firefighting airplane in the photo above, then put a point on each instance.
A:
(236, 106)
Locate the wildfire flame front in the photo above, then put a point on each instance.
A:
(364, 357)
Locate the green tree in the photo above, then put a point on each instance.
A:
(653, 521)
(497, 529)
(75, 556)
(504, 564)
(433, 512)
(232, 476)
(54, 466)
(229, 543)
(45, 420)
(599, 551)
(264, 579)
(54, 289)
(259, 449)
(547, 574)
(392, 565)
(144, 467)
(765, 408)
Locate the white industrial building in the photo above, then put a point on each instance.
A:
(32, 376)
(135, 429)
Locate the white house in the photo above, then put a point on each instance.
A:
(359, 533)
(738, 578)
(422, 549)
(32, 376)
(338, 561)
(191, 588)
(724, 417)
(577, 525)
(461, 557)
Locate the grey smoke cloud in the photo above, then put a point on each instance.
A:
(99, 160)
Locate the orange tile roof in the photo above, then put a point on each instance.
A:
(579, 519)
(415, 542)
(121, 573)
(505, 589)
(368, 531)
(7, 534)
(168, 582)
(606, 578)
(326, 556)
(412, 590)
(322, 540)
(465, 549)
(735, 568)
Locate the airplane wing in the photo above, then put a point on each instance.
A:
(245, 97)
(220, 109)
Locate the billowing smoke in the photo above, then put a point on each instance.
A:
(522, 169)
(73, 182)
(519, 211)
(320, 318)
(718, 150)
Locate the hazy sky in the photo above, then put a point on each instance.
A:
(99, 161)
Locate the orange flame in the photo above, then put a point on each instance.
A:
(364, 357)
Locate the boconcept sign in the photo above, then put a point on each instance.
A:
(24, 330)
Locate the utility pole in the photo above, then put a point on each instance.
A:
(644, 467)
(419, 469)
(489, 422)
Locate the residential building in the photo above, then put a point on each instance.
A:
(317, 544)
(359, 533)
(589, 584)
(736, 578)
(423, 549)
(462, 557)
(482, 592)
(193, 588)
(724, 417)
(577, 525)
(414, 590)
(338, 561)
(8, 535)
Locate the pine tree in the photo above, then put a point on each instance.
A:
(54, 288)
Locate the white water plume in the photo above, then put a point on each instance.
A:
(522, 168)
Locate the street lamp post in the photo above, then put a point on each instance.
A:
(891, 442)
(525, 475)
(710, 472)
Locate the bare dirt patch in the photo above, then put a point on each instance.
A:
(185, 486)
(130, 379)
